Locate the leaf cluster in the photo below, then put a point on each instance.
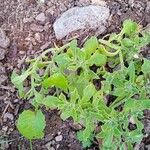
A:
(107, 81)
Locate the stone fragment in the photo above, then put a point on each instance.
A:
(36, 28)
(58, 138)
(41, 17)
(2, 53)
(4, 40)
(78, 18)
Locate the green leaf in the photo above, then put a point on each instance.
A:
(130, 27)
(90, 46)
(131, 72)
(31, 124)
(18, 81)
(62, 60)
(137, 105)
(127, 42)
(97, 59)
(57, 80)
(146, 67)
(52, 102)
(86, 135)
(88, 92)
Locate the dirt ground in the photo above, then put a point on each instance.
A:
(28, 35)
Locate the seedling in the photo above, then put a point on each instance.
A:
(67, 84)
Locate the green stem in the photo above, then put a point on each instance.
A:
(121, 60)
(113, 46)
(31, 148)
(53, 49)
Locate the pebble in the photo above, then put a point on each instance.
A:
(48, 146)
(36, 28)
(4, 40)
(8, 116)
(5, 128)
(26, 20)
(78, 18)
(2, 69)
(2, 53)
(99, 2)
(3, 78)
(58, 138)
(37, 37)
(41, 17)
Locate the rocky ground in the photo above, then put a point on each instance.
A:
(26, 28)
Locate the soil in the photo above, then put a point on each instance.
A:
(29, 34)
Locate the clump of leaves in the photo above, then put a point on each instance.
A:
(65, 81)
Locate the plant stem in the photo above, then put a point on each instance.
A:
(31, 148)
(121, 60)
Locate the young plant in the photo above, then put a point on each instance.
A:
(66, 81)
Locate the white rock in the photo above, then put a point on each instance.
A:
(58, 138)
(88, 17)
(41, 17)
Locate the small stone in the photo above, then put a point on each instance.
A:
(58, 138)
(79, 18)
(99, 2)
(48, 137)
(48, 146)
(57, 146)
(37, 37)
(2, 53)
(41, 17)
(3, 78)
(4, 40)
(5, 128)
(36, 28)
(9, 116)
(2, 69)
(26, 20)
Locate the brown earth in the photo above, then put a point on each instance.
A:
(28, 35)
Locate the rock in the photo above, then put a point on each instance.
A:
(2, 69)
(26, 20)
(58, 138)
(9, 116)
(41, 17)
(4, 40)
(3, 78)
(2, 53)
(48, 137)
(48, 146)
(5, 128)
(77, 18)
(99, 2)
(37, 37)
(36, 28)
